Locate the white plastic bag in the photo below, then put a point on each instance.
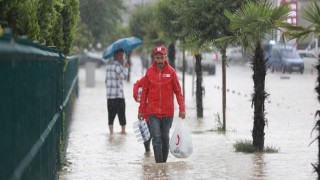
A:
(180, 142)
(141, 131)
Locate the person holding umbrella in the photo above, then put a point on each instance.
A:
(157, 102)
(116, 72)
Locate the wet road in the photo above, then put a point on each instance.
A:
(93, 154)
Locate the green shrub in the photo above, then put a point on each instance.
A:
(247, 147)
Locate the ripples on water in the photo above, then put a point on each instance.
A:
(93, 154)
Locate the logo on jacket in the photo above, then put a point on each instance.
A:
(166, 75)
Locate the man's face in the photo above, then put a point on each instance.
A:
(119, 56)
(160, 60)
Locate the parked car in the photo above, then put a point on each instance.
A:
(179, 61)
(310, 60)
(284, 58)
(208, 62)
(235, 55)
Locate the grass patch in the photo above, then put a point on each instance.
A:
(219, 125)
(246, 146)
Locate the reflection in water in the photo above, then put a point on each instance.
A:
(93, 154)
(116, 139)
(154, 171)
(258, 166)
(199, 123)
(169, 170)
(196, 125)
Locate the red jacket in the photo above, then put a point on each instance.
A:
(159, 91)
(139, 84)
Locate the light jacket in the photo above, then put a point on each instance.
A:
(159, 91)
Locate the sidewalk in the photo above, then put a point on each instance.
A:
(93, 154)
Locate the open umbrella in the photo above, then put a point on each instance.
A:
(127, 44)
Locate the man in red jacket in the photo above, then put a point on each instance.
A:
(158, 91)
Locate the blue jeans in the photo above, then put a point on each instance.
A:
(160, 129)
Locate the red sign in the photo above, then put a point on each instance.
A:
(293, 15)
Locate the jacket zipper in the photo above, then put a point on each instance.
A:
(159, 76)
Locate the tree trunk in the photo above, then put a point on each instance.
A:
(172, 54)
(129, 62)
(183, 73)
(317, 166)
(224, 77)
(199, 87)
(259, 73)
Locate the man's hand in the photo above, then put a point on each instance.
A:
(182, 115)
(126, 65)
(137, 99)
(140, 116)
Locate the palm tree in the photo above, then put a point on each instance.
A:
(312, 14)
(251, 23)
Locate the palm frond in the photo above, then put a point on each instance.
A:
(253, 20)
(225, 40)
(293, 32)
(312, 13)
(280, 13)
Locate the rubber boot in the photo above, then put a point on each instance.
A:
(147, 145)
(165, 153)
(158, 154)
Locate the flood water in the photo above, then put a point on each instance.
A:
(93, 154)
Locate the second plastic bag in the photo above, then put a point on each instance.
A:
(180, 142)
(141, 131)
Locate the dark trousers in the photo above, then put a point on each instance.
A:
(159, 129)
(116, 107)
(147, 143)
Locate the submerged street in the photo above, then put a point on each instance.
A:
(93, 154)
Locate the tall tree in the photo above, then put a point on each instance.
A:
(8, 12)
(47, 19)
(52, 22)
(27, 21)
(140, 21)
(84, 36)
(58, 32)
(70, 14)
(101, 17)
(251, 23)
(167, 16)
(172, 54)
(312, 14)
(168, 20)
(142, 24)
(204, 21)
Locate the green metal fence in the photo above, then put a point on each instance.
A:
(37, 91)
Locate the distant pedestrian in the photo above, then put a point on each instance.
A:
(137, 91)
(157, 100)
(116, 72)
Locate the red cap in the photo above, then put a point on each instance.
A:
(160, 50)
